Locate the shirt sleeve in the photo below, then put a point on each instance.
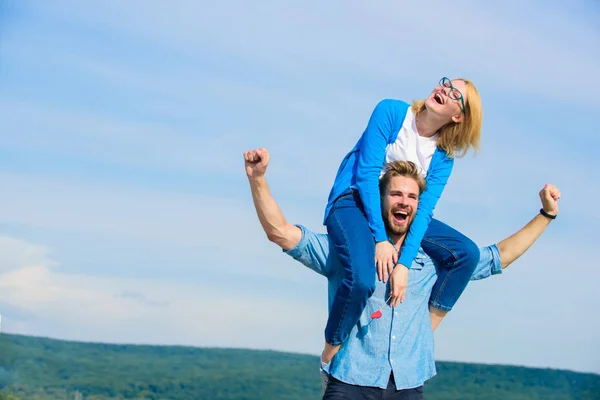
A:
(489, 263)
(312, 251)
(371, 156)
(436, 182)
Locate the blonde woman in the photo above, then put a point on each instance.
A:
(430, 133)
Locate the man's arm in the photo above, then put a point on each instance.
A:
(497, 257)
(277, 229)
(494, 258)
(515, 245)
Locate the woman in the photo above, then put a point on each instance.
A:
(430, 133)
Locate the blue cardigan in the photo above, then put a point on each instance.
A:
(361, 168)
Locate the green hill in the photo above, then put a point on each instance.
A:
(34, 368)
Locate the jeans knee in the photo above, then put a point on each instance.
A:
(471, 254)
(363, 287)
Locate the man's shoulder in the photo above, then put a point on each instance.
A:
(308, 240)
(312, 250)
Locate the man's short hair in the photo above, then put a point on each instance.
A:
(401, 168)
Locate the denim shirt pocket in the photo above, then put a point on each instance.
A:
(418, 277)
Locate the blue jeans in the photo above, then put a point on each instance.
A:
(344, 391)
(353, 241)
(456, 256)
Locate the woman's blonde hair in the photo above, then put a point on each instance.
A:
(457, 137)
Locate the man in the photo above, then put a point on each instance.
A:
(389, 354)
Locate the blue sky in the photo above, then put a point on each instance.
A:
(126, 215)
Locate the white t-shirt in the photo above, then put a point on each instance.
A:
(409, 146)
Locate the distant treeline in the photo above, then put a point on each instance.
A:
(33, 368)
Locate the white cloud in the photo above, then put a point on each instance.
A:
(140, 229)
(139, 310)
(17, 252)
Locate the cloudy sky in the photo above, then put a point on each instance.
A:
(125, 214)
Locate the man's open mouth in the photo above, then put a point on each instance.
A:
(400, 216)
(438, 98)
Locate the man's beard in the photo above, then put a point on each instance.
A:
(394, 228)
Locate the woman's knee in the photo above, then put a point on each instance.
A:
(363, 285)
(470, 254)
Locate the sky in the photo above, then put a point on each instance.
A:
(126, 216)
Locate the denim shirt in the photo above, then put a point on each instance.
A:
(401, 340)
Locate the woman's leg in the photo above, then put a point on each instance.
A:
(457, 257)
(353, 242)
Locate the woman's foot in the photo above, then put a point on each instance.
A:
(329, 352)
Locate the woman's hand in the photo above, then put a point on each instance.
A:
(385, 259)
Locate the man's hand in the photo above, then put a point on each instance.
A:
(278, 230)
(516, 244)
(549, 196)
(256, 162)
(385, 258)
(398, 284)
